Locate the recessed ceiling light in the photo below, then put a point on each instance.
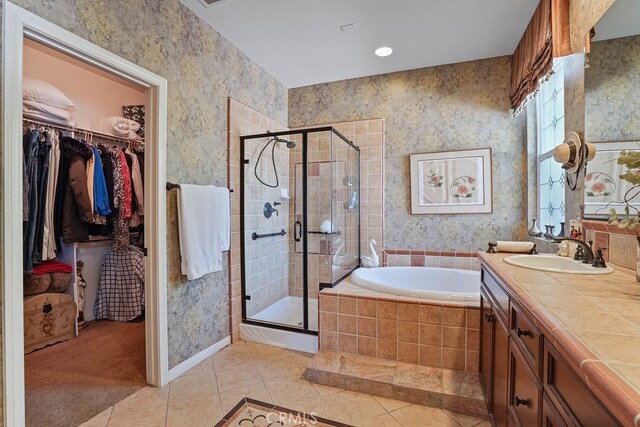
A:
(383, 51)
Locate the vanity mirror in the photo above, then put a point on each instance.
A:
(612, 108)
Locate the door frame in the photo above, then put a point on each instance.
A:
(18, 24)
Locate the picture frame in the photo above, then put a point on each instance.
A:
(603, 188)
(451, 182)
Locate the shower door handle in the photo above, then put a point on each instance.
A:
(297, 231)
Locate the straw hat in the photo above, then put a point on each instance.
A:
(571, 153)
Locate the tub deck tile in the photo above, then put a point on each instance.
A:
(453, 390)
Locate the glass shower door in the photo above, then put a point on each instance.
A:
(320, 223)
(299, 209)
(268, 231)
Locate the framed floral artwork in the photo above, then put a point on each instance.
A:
(451, 182)
(603, 188)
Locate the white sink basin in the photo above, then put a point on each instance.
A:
(555, 264)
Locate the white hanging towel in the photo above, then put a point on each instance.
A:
(204, 224)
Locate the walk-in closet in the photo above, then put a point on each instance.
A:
(83, 237)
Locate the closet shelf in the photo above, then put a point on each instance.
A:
(86, 131)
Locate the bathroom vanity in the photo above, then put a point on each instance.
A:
(559, 349)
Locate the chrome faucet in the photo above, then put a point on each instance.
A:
(588, 253)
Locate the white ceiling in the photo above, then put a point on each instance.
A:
(300, 42)
(621, 20)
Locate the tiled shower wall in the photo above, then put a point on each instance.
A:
(369, 136)
(266, 259)
(268, 263)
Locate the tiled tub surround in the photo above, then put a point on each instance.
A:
(368, 323)
(419, 258)
(244, 120)
(594, 321)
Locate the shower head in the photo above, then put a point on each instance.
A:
(290, 144)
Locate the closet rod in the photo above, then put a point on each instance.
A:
(88, 132)
(171, 186)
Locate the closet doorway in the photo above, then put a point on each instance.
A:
(141, 343)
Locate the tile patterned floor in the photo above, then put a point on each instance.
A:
(253, 413)
(203, 395)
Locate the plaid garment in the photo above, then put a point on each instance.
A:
(121, 287)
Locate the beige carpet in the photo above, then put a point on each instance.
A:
(70, 382)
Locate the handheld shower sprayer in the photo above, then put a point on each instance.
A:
(275, 140)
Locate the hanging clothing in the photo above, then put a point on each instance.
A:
(138, 191)
(73, 208)
(100, 194)
(108, 168)
(120, 294)
(120, 236)
(25, 192)
(90, 168)
(134, 203)
(140, 156)
(126, 175)
(48, 242)
(44, 148)
(30, 148)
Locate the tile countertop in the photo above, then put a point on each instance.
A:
(594, 321)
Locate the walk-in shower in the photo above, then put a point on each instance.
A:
(300, 227)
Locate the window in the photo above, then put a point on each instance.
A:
(551, 177)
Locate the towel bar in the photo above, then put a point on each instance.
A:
(171, 186)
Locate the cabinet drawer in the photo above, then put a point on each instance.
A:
(525, 393)
(528, 336)
(570, 395)
(501, 298)
(550, 416)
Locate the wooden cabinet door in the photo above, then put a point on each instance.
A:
(570, 395)
(486, 347)
(550, 416)
(494, 361)
(500, 374)
(525, 394)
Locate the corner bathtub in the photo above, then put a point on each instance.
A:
(442, 284)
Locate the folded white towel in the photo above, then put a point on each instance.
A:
(204, 223)
(35, 106)
(517, 247)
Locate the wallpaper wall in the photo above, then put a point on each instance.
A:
(1, 240)
(448, 107)
(202, 69)
(612, 90)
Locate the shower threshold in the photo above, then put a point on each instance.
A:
(287, 311)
